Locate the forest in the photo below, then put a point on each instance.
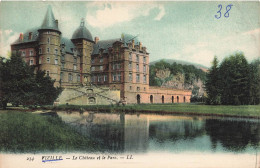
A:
(234, 81)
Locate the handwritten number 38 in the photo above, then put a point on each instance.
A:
(228, 8)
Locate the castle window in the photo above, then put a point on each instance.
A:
(40, 61)
(61, 76)
(118, 66)
(93, 78)
(31, 52)
(56, 61)
(130, 77)
(114, 77)
(114, 66)
(74, 67)
(137, 67)
(62, 65)
(144, 68)
(99, 78)
(48, 73)
(119, 77)
(48, 59)
(70, 77)
(101, 60)
(138, 88)
(101, 68)
(40, 50)
(137, 77)
(56, 51)
(130, 56)
(48, 40)
(144, 59)
(130, 87)
(137, 58)
(78, 78)
(48, 32)
(130, 65)
(23, 53)
(92, 60)
(144, 89)
(62, 58)
(144, 78)
(31, 62)
(75, 59)
(92, 68)
(48, 50)
(105, 78)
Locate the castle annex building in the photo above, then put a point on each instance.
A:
(117, 64)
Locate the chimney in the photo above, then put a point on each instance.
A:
(96, 40)
(56, 22)
(140, 46)
(21, 37)
(133, 43)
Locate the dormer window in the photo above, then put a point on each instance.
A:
(30, 36)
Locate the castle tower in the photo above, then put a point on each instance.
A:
(83, 40)
(49, 47)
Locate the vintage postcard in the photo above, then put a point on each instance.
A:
(130, 84)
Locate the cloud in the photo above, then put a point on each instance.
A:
(252, 32)
(112, 13)
(161, 13)
(6, 38)
(202, 52)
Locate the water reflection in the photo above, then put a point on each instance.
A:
(145, 133)
(232, 134)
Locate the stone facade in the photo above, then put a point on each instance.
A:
(117, 64)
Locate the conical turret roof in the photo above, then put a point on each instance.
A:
(49, 21)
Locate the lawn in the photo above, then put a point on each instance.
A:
(24, 132)
(181, 108)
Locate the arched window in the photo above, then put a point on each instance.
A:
(138, 99)
(151, 98)
(162, 98)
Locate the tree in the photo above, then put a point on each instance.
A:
(212, 84)
(234, 71)
(254, 81)
(19, 84)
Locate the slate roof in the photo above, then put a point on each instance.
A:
(35, 36)
(104, 44)
(68, 44)
(49, 21)
(127, 38)
(82, 33)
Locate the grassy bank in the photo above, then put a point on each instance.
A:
(27, 132)
(189, 109)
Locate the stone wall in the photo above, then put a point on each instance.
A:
(89, 96)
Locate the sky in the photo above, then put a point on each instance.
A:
(187, 31)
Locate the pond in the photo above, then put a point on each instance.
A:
(150, 133)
